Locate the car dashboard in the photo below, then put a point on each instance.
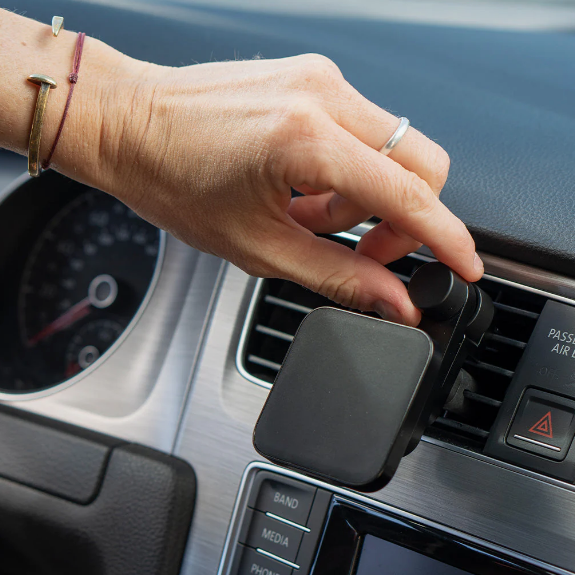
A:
(190, 345)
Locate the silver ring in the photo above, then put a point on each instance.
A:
(396, 136)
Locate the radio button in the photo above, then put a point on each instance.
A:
(254, 563)
(274, 536)
(290, 500)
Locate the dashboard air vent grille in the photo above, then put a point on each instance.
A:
(279, 307)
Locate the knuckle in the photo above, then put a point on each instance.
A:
(342, 290)
(415, 196)
(316, 67)
(297, 123)
(294, 119)
(265, 264)
(298, 113)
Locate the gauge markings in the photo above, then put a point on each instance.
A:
(94, 236)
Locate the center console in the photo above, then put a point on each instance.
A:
(285, 524)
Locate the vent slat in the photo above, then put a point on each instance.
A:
(287, 304)
(264, 362)
(274, 332)
(471, 395)
(506, 340)
(457, 425)
(492, 368)
(516, 310)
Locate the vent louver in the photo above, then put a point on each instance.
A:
(279, 307)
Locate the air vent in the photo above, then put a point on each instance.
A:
(278, 307)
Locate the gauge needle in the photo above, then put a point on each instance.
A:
(75, 313)
(102, 293)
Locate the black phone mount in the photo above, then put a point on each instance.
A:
(355, 393)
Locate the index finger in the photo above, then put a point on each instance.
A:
(386, 189)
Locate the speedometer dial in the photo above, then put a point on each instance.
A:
(83, 282)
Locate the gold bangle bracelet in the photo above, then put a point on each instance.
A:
(46, 84)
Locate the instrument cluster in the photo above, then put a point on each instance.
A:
(76, 266)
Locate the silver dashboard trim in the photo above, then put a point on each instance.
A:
(13, 186)
(254, 467)
(240, 353)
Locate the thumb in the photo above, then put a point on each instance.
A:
(342, 275)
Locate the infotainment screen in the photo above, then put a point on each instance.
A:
(380, 557)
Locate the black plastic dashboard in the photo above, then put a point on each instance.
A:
(501, 104)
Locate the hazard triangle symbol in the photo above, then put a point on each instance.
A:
(543, 426)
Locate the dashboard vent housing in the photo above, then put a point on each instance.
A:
(279, 306)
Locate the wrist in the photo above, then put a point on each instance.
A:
(106, 98)
(107, 82)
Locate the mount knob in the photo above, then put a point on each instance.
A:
(438, 291)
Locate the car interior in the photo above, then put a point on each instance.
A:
(163, 412)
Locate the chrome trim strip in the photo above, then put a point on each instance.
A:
(250, 471)
(264, 362)
(540, 443)
(348, 236)
(279, 559)
(248, 322)
(288, 522)
(5, 396)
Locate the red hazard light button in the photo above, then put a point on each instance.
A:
(544, 424)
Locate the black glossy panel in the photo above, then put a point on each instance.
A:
(348, 525)
(547, 364)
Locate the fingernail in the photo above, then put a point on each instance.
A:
(478, 264)
(388, 311)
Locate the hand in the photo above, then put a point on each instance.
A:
(209, 152)
(213, 149)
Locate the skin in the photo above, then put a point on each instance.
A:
(210, 153)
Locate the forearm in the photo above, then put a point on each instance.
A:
(88, 146)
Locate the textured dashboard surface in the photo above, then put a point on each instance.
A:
(500, 102)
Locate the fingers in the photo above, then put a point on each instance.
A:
(326, 213)
(384, 244)
(374, 126)
(384, 188)
(337, 272)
